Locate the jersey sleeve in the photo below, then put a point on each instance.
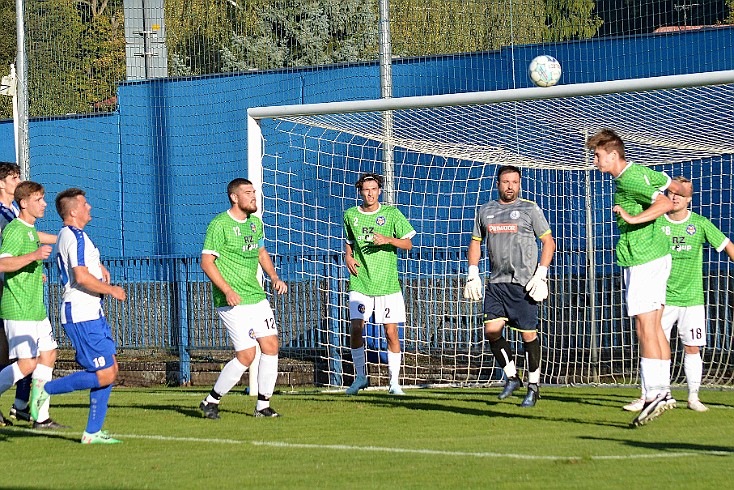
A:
(403, 228)
(349, 236)
(260, 234)
(714, 236)
(478, 231)
(11, 246)
(540, 224)
(213, 238)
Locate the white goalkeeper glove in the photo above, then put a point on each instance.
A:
(537, 286)
(473, 289)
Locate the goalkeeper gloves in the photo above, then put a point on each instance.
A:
(537, 286)
(473, 289)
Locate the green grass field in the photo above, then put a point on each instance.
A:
(448, 438)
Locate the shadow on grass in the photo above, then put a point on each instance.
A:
(20, 432)
(673, 447)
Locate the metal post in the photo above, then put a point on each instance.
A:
(22, 146)
(591, 273)
(386, 93)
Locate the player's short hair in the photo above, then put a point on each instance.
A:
(232, 187)
(8, 168)
(26, 189)
(683, 180)
(367, 177)
(66, 199)
(507, 169)
(607, 140)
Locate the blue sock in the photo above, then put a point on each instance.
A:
(80, 380)
(98, 398)
(23, 388)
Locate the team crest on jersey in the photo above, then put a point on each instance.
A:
(251, 333)
(691, 229)
(361, 308)
(514, 214)
(380, 221)
(253, 227)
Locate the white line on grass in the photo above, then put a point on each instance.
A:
(342, 447)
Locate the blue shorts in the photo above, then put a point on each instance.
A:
(95, 349)
(510, 302)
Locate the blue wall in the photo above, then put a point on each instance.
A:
(156, 169)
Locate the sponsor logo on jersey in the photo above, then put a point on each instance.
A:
(691, 229)
(502, 228)
(380, 221)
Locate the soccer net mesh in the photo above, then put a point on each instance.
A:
(442, 164)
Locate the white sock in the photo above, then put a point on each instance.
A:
(231, 374)
(534, 377)
(394, 360)
(650, 369)
(665, 372)
(359, 361)
(642, 382)
(43, 373)
(9, 376)
(267, 375)
(510, 369)
(693, 365)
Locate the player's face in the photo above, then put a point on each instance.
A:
(604, 160)
(370, 193)
(83, 210)
(10, 182)
(35, 205)
(679, 202)
(508, 186)
(245, 198)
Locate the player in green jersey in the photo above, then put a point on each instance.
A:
(687, 232)
(644, 255)
(234, 247)
(374, 234)
(30, 337)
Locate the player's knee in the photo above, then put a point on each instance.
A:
(107, 376)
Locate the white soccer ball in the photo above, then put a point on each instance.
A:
(544, 71)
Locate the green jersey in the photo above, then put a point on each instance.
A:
(378, 274)
(236, 245)
(22, 297)
(635, 190)
(686, 239)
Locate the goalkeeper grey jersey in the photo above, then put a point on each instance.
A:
(510, 232)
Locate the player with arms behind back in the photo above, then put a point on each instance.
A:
(374, 234)
(687, 232)
(511, 226)
(233, 247)
(644, 255)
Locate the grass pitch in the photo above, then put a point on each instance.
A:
(449, 438)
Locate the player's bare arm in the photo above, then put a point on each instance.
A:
(548, 248)
(352, 263)
(92, 284)
(267, 264)
(658, 208)
(46, 238)
(401, 243)
(680, 188)
(212, 272)
(12, 264)
(105, 274)
(729, 249)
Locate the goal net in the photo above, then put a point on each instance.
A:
(439, 155)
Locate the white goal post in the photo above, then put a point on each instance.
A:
(444, 152)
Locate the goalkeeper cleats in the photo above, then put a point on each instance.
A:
(266, 412)
(635, 406)
(360, 382)
(38, 397)
(395, 389)
(511, 385)
(697, 406)
(99, 437)
(211, 410)
(532, 397)
(20, 413)
(652, 410)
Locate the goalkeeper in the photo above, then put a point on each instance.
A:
(517, 283)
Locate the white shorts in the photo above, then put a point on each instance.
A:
(691, 323)
(247, 323)
(26, 339)
(387, 309)
(645, 285)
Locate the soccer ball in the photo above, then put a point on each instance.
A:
(544, 71)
